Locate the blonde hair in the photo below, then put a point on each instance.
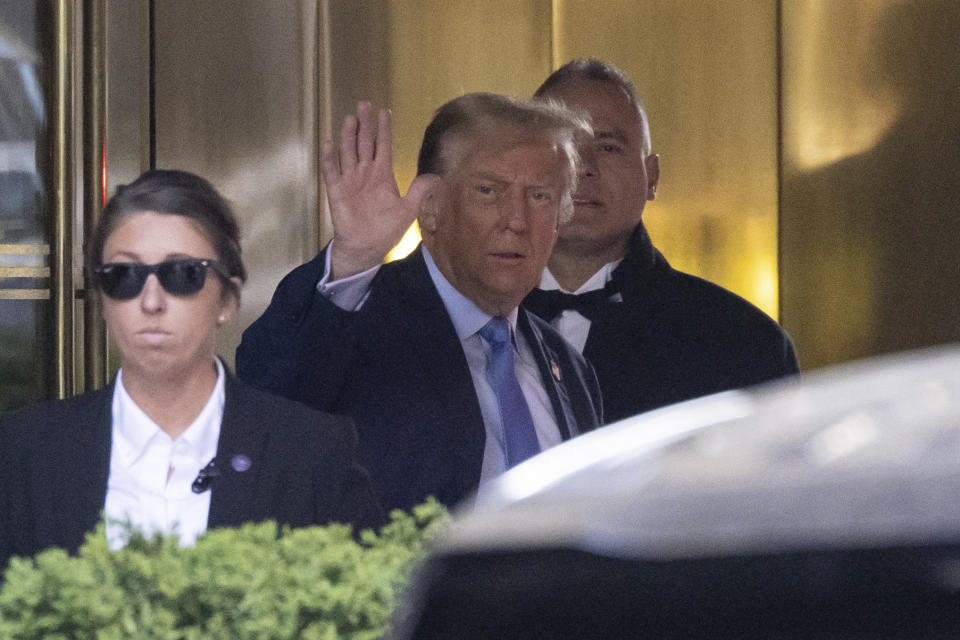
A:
(485, 116)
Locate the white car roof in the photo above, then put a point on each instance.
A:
(862, 455)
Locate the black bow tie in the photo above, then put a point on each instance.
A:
(591, 305)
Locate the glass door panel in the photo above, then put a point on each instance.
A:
(24, 228)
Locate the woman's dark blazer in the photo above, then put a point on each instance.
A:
(55, 459)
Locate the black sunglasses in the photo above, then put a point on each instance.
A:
(182, 277)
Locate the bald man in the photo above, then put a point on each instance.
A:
(654, 335)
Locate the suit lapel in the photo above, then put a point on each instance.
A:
(239, 459)
(632, 278)
(438, 348)
(550, 374)
(71, 480)
(93, 466)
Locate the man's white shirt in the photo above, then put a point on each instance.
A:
(570, 323)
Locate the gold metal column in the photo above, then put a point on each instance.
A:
(94, 181)
(61, 246)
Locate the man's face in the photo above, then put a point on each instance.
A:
(493, 223)
(617, 176)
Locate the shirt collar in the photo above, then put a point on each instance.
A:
(597, 281)
(133, 430)
(466, 316)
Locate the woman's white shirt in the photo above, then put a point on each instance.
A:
(151, 474)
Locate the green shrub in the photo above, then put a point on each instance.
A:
(252, 582)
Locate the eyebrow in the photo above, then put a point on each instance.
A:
(124, 254)
(136, 257)
(487, 175)
(616, 134)
(492, 177)
(177, 255)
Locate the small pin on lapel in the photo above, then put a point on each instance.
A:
(555, 368)
(240, 463)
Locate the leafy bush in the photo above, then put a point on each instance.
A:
(252, 582)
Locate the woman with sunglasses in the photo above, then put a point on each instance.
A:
(176, 444)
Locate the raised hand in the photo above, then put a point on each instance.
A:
(369, 215)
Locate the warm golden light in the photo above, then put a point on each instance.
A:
(716, 211)
(713, 119)
(441, 50)
(406, 245)
(824, 125)
(868, 195)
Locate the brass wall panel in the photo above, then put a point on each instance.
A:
(355, 64)
(94, 136)
(127, 91)
(236, 87)
(443, 49)
(127, 133)
(871, 176)
(63, 179)
(707, 74)
(866, 147)
(413, 56)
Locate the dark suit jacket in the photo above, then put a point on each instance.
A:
(397, 367)
(55, 461)
(676, 337)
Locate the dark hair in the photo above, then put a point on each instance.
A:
(598, 71)
(176, 193)
(588, 69)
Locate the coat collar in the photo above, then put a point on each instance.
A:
(241, 442)
(641, 261)
(548, 363)
(92, 444)
(238, 461)
(416, 277)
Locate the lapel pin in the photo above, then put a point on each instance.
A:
(555, 368)
(240, 463)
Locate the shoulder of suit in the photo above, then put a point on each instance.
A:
(308, 272)
(700, 295)
(82, 402)
(264, 402)
(405, 281)
(409, 264)
(676, 287)
(38, 421)
(282, 415)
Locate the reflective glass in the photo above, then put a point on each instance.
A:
(24, 276)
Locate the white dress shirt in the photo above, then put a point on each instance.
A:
(570, 323)
(151, 473)
(350, 293)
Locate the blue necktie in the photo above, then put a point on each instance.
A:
(520, 438)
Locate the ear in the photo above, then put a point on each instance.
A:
(430, 208)
(230, 303)
(652, 164)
